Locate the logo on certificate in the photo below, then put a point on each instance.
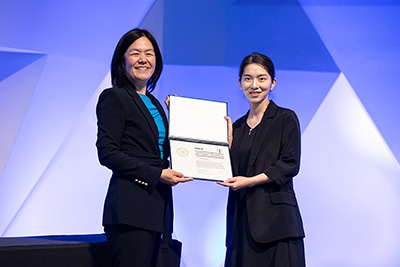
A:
(182, 152)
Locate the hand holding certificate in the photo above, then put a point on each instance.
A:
(198, 134)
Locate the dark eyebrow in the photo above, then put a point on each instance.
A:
(135, 49)
(261, 75)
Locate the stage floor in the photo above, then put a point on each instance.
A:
(55, 251)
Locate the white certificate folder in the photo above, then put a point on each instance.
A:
(198, 134)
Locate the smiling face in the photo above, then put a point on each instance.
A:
(140, 63)
(256, 83)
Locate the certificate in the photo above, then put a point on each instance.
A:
(198, 134)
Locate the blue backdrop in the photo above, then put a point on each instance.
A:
(337, 67)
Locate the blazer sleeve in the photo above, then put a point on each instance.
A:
(288, 163)
(111, 116)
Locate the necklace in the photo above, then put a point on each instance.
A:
(257, 121)
(251, 129)
(255, 125)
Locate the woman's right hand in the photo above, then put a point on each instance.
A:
(167, 100)
(171, 177)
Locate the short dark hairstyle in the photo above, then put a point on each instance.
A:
(118, 73)
(257, 58)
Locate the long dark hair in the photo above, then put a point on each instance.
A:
(118, 73)
(260, 59)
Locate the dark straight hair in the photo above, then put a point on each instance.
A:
(257, 58)
(118, 73)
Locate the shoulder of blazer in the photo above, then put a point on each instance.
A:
(285, 113)
(272, 110)
(121, 97)
(275, 114)
(121, 93)
(126, 95)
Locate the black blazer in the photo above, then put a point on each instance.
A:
(127, 144)
(272, 208)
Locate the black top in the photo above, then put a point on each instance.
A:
(245, 148)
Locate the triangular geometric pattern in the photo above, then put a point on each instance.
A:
(51, 114)
(362, 38)
(78, 58)
(15, 61)
(83, 216)
(234, 30)
(14, 103)
(346, 163)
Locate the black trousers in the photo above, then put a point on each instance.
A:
(131, 246)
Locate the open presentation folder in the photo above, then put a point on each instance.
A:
(198, 134)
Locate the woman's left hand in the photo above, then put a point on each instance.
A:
(237, 182)
(230, 136)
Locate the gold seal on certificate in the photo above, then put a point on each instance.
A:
(198, 134)
(182, 152)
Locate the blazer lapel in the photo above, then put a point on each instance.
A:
(164, 117)
(146, 113)
(262, 133)
(238, 135)
(161, 110)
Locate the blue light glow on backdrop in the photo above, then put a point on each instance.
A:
(337, 67)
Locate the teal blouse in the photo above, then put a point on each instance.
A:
(157, 119)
